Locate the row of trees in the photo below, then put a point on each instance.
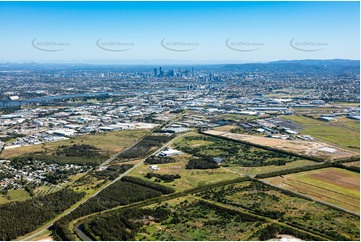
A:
(81, 150)
(152, 160)
(202, 163)
(294, 170)
(149, 184)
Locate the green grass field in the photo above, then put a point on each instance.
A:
(252, 171)
(343, 132)
(189, 178)
(14, 195)
(332, 185)
(347, 104)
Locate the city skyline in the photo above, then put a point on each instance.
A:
(150, 33)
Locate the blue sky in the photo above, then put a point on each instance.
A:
(192, 32)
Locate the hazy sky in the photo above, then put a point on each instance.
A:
(178, 32)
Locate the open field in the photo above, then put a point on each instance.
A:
(253, 171)
(318, 150)
(226, 128)
(347, 104)
(189, 178)
(292, 210)
(332, 185)
(109, 143)
(343, 132)
(14, 195)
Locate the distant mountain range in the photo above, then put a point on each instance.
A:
(317, 66)
(336, 65)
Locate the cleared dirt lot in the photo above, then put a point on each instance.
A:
(308, 148)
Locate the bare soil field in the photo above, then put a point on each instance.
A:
(308, 148)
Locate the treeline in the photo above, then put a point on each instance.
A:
(350, 168)
(76, 154)
(145, 146)
(20, 218)
(152, 160)
(294, 170)
(163, 177)
(152, 185)
(202, 163)
(112, 172)
(81, 150)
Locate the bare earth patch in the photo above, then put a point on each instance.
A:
(337, 178)
(335, 186)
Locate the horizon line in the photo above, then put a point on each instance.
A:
(159, 62)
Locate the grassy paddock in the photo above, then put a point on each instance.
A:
(108, 143)
(332, 185)
(343, 132)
